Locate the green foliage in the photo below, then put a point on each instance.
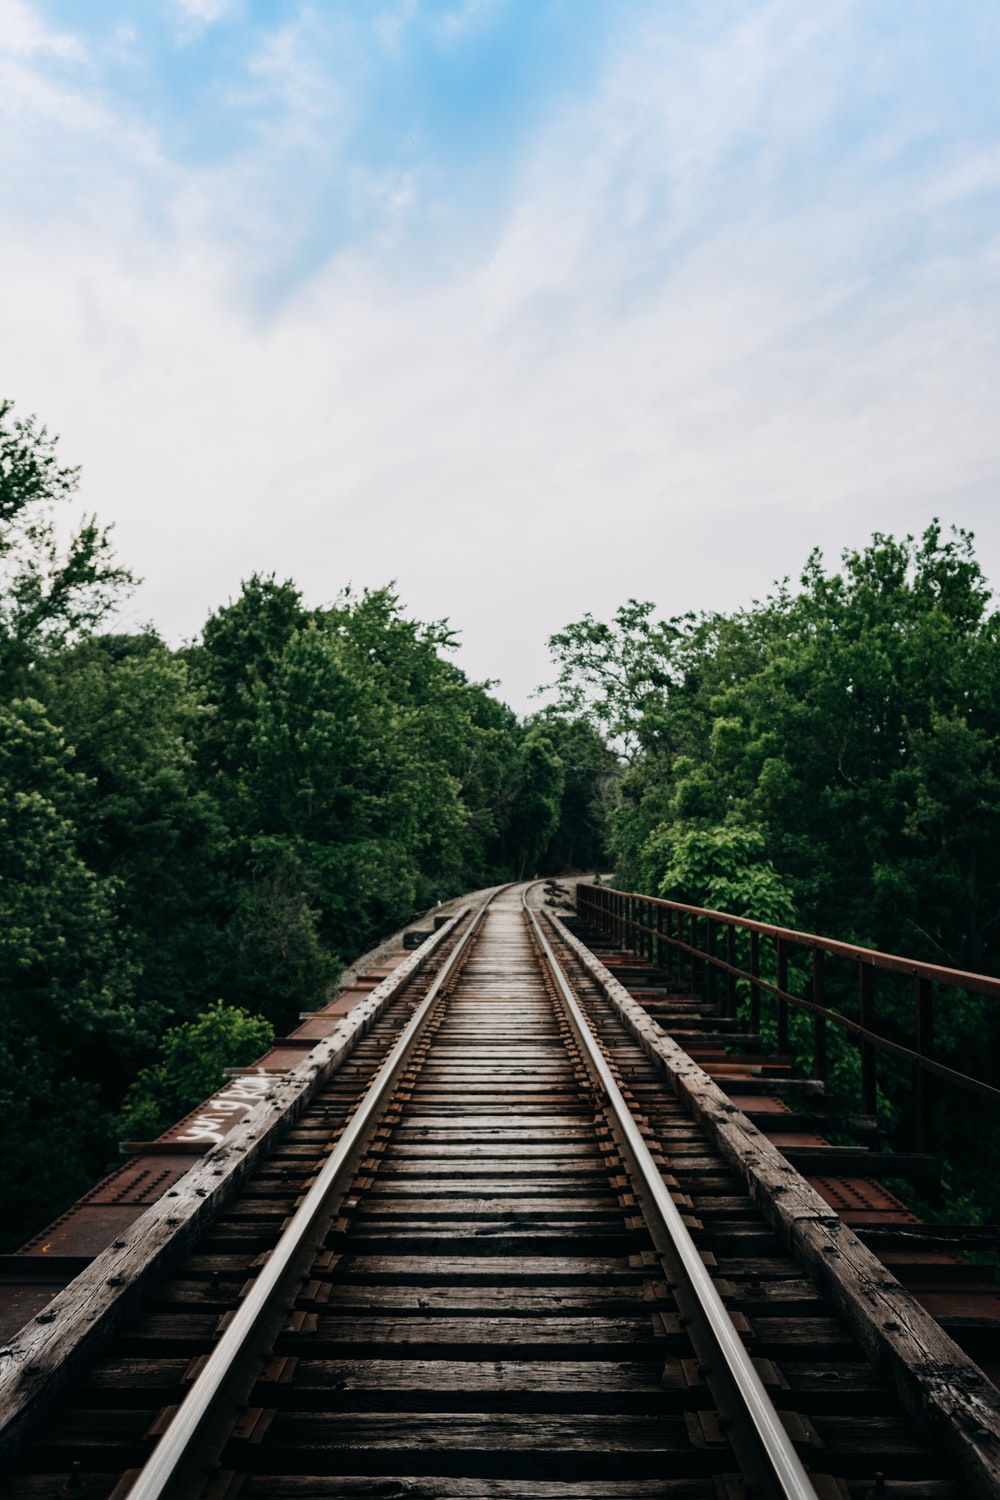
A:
(128, 710)
(235, 819)
(616, 674)
(830, 759)
(539, 789)
(48, 592)
(67, 1011)
(589, 790)
(724, 869)
(192, 1065)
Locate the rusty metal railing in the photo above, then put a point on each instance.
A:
(700, 945)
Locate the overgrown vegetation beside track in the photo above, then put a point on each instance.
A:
(827, 759)
(229, 822)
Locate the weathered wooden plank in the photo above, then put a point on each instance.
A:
(469, 1206)
(533, 1269)
(500, 1300)
(494, 1332)
(583, 1385)
(500, 1237)
(414, 1487)
(491, 1433)
(443, 1487)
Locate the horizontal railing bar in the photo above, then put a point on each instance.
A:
(980, 984)
(895, 1049)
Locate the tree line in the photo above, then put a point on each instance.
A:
(193, 841)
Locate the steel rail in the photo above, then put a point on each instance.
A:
(163, 1468)
(776, 1467)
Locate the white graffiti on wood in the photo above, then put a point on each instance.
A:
(217, 1114)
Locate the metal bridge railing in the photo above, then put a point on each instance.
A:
(695, 944)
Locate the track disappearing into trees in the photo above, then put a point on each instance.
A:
(486, 1304)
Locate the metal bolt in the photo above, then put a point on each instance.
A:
(75, 1484)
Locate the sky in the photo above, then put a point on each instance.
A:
(530, 306)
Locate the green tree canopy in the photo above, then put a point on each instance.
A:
(48, 592)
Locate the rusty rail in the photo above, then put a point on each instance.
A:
(661, 930)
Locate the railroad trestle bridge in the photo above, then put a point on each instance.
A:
(530, 1211)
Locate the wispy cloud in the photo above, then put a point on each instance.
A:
(729, 297)
(463, 17)
(204, 12)
(24, 34)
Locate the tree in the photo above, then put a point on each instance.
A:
(535, 815)
(616, 674)
(590, 778)
(192, 1066)
(127, 708)
(833, 750)
(70, 1031)
(854, 726)
(48, 594)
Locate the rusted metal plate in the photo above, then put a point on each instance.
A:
(86, 1229)
(860, 1200)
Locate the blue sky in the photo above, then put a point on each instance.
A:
(529, 306)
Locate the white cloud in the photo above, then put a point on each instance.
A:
(977, 176)
(465, 17)
(668, 372)
(23, 34)
(205, 11)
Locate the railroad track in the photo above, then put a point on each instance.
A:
(470, 1263)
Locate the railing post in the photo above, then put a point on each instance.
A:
(754, 976)
(710, 975)
(678, 932)
(680, 951)
(925, 1046)
(695, 976)
(730, 976)
(684, 959)
(781, 966)
(866, 986)
(659, 938)
(819, 1022)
